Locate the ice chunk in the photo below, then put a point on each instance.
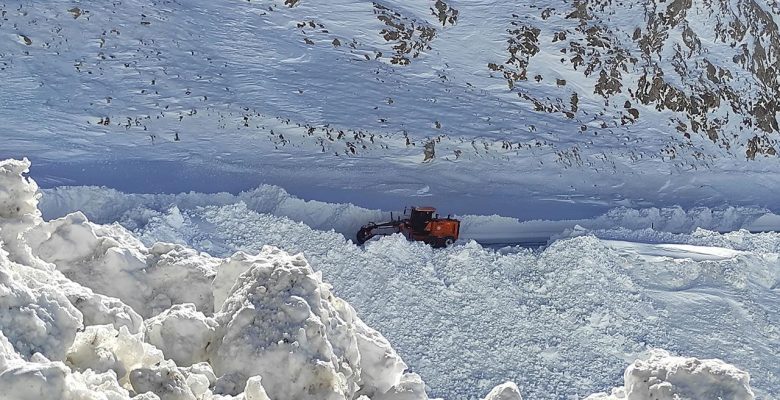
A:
(662, 376)
(182, 333)
(98, 309)
(381, 367)
(505, 391)
(410, 387)
(254, 389)
(18, 194)
(103, 348)
(164, 380)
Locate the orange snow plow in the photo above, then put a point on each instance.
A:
(421, 225)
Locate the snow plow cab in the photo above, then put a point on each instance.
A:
(422, 225)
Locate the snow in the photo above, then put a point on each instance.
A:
(309, 327)
(662, 376)
(101, 348)
(164, 380)
(40, 378)
(233, 126)
(195, 102)
(262, 324)
(597, 303)
(154, 278)
(167, 215)
(674, 251)
(504, 391)
(279, 331)
(182, 333)
(35, 319)
(17, 199)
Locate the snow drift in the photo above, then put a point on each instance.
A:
(93, 313)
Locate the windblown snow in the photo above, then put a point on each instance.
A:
(92, 312)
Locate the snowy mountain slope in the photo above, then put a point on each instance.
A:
(355, 92)
(705, 68)
(563, 320)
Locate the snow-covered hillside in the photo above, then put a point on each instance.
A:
(559, 322)
(596, 103)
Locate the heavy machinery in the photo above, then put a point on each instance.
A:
(421, 225)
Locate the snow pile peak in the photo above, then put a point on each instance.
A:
(18, 195)
(280, 321)
(665, 377)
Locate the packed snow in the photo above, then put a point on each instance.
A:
(278, 331)
(665, 377)
(261, 323)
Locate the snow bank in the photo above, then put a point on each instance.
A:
(662, 376)
(167, 217)
(278, 329)
(168, 211)
(94, 313)
(569, 314)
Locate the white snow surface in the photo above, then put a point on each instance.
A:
(561, 321)
(665, 377)
(280, 331)
(171, 96)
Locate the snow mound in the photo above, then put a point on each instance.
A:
(505, 391)
(109, 260)
(182, 333)
(102, 348)
(665, 377)
(280, 321)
